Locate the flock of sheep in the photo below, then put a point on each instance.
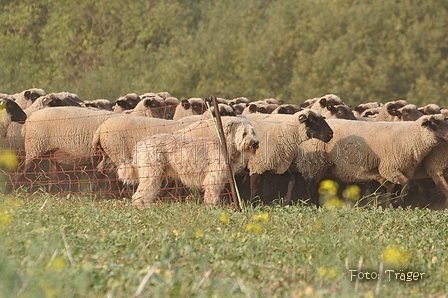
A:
(154, 140)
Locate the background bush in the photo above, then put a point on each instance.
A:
(292, 50)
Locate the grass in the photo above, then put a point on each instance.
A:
(79, 247)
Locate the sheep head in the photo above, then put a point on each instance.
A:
(315, 125)
(33, 94)
(437, 124)
(13, 109)
(330, 99)
(341, 112)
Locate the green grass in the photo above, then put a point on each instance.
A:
(78, 247)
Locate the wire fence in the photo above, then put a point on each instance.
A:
(59, 156)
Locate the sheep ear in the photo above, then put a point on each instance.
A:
(121, 103)
(323, 101)
(185, 104)
(392, 110)
(302, 118)
(253, 108)
(27, 94)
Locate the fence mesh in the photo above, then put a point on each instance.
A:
(57, 156)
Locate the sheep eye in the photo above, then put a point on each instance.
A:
(244, 134)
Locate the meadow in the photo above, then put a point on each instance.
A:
(55, 246)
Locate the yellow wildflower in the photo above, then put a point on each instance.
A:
(395, 256)
(224, 217)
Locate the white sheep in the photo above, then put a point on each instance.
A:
(101, 103)
(430, 109)
(188, 107)
(116, 137)
(127, 102)
(54, 100)
(279, 144)
(321, 104)
(61, 129)
(361, 108)
(366, 151)
(408, 112)
(197, 162)
(10, 111)
(151, 106)
(388, 111)
(26, 98)
(287, 109)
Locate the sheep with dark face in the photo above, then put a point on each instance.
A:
(430, 109)
(127, 102)
(189, 107)
(389, 111)
(279, 144)
(26, 98)
(10, 111)
(367, 151)
(323, 103)
(361, 108)
(289, 109)
(152, 106)
(102, 104)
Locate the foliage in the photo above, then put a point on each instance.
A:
(71, 247)
(292, 50)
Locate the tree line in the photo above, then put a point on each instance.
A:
(292, 50)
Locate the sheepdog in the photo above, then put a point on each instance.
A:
(197, 162)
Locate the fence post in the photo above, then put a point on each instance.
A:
(226, 155)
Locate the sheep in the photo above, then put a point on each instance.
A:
(127, 102)
(260, 107)
(287, 109)
(152, 106)
(323, 103)
(362, 152)
(238, 100)
(191, 106)
(116, 137)
(26, 98)
(408, 112)
(308, 103)
(102, 104)
(171, 105)
(239, 107)
(14, 139)
(197, 162)
(388, 111)
(331, 106)
(63, 129)
(224, 110)
(430, 109)
(340, 111)
(279, 145)
(54, 100)
(370, 113)
(361, 108)
(10, 111)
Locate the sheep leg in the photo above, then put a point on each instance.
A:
(440, 181)
(291, 184)
(254, 185)
(313, 192)
(212, 188)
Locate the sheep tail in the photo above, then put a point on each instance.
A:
(127, 173)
